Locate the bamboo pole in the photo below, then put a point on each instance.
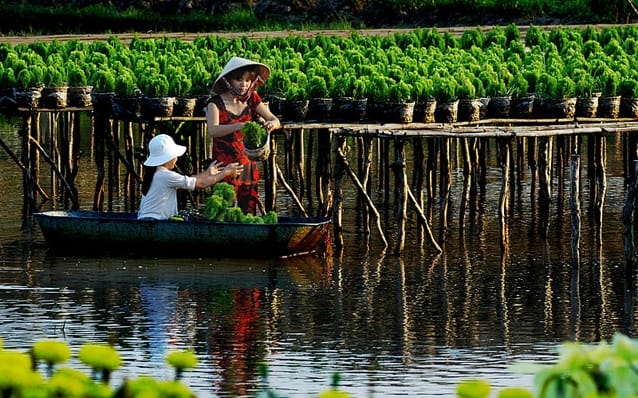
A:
(339, 148)
(55, 169)
(545, 172)
(290, 191)
(323, 172)
(402, 196)
(365, 177)
(309, 155)
(341, 160)
(430, 176)
(270, 178)
(574, 201)
(601, 178)
(27, 173)
(446, 183)
(503, 211)
(299, 159)
(467, 181)
(628, 216)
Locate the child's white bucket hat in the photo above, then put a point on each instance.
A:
(235, 63)
(161, 149)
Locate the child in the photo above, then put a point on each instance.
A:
(160, 182)
(233, 103)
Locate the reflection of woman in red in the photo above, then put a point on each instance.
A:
(237, 349)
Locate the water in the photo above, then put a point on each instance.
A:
(410, 325)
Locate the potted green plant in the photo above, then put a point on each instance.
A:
(128, 99)
(447, 102)
(320, 102)
(629, 97)
(584, 88)
(79, 91)
(29, 85)
(155, 100)
(180, 85)
(469, 104)
(400, 105)
(609, 101)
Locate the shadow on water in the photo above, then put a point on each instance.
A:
(413, 324)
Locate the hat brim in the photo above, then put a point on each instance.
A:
(236, 63)
(159, 159)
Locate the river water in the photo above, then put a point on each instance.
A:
(413, 324)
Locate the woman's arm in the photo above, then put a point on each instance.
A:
(212, 123)
(271, 121)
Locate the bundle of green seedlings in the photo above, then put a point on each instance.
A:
(220, 206)
(254, 135)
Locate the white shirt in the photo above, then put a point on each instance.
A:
(160, 202)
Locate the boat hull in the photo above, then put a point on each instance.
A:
(92, 232)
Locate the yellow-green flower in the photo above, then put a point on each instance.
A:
(181, 359)
(14, 359)
(175, 389)
(66, 384)
(142, 387)
(473, 389)
(515, 392)
(51, 351)
(100, 356)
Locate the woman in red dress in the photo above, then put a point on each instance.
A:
(234, 102)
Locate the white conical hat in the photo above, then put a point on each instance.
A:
(236, 63)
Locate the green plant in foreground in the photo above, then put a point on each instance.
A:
(181, 360)
(52, 352)
(101, 358)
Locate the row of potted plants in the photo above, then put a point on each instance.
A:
(417, 67)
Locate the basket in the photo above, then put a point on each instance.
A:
(261, 153)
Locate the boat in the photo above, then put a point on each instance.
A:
(121, 233)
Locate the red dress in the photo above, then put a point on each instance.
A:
(230, 148)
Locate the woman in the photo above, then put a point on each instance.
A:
(234, 102)
(160, 183)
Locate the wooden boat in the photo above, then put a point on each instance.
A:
(119, 233)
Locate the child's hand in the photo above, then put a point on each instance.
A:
(213, 168)
(233, 169)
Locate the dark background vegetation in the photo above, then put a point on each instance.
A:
(117, 16)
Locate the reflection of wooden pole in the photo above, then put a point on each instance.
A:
(503, 211)
(574, 201)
